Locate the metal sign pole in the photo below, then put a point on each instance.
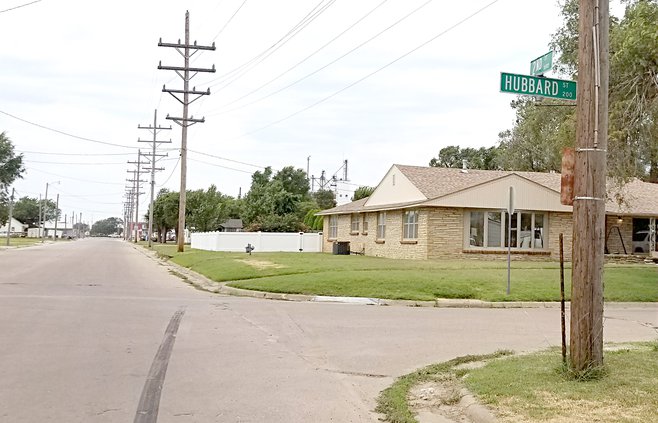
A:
(510, 211)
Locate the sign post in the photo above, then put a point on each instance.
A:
(510, 212)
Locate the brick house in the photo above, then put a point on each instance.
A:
(430, 213)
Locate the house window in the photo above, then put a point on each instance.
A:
(381, 225)
(354, 228)
(410, 224)
(365, 224)
(333, 226)
(490, 230)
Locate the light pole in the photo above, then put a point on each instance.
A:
(45, 202)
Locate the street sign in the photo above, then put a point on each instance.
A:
(541, 64)
(533, 85)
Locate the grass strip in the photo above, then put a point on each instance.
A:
(536, 387)
(393, 401)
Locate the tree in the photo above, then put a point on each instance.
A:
(543, 129)
(633, 101)
(362, 192)
(165, 212)
(453, 156)
(207, 210)
(11, 168)
(26, 210)
(107, 226)
(277, 202)
(325, 199)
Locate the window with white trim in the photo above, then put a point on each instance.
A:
(354, 227)
(365, 224)
(333, 226)
(381, 225)
(491, 229)
(410, 224)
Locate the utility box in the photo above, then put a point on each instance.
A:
(341, 248)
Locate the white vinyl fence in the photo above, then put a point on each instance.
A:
(260, 241)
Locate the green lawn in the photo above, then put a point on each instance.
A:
(325, 274)
(532, 388)
(19, 242)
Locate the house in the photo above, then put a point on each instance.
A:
(430, 213)
(231, 225)
(16, 228)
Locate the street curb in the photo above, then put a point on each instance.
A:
(201, 282)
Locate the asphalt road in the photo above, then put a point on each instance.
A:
(96, 331)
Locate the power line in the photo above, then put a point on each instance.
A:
(223, 167)
(18, 7)
(322, 100)
(73, 154)
(74, 163)
(74, 179)
(171, 174)
(322, 67)
(224, 158)
(66, 133)
(229, 20)
(262, 56)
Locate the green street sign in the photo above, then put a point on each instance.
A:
(541, 87)
(541, 64)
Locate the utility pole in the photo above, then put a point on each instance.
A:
(40, 205)
(185, 122)
(586, 344)
(56, 217)
(154, 130)
(11, 212)
(136, 187)
(45, 212)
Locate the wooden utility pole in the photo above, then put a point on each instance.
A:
(11, 215)
(586, 344)
(185, 122)
(155, 129)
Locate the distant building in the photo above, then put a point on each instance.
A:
(16, 228)
(231, 225)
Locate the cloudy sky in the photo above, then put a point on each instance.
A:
(373, 82)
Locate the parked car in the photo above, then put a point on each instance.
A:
(641, 242)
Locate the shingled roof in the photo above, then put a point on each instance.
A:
(637, 198)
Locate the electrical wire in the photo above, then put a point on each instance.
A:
(74, 163)
(171, 174)
(216, 165)
(262, 56)
(224, 158)
(66, 133)
(18, 7)
(229, 20)
(75, 179)
(73, 154)
(358, 81)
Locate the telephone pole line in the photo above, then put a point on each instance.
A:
(137, 186)
(155, 129)
(586, 337)
(185, 122)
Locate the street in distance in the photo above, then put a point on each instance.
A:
(536, 86)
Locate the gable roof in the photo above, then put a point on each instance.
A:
(641, 198)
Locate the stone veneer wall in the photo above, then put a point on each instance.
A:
(614, 243)
(392, 246)
(560, 223)
(446, 233)
(440, 236)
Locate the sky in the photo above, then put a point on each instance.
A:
(309, 84)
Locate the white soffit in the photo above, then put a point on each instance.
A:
(393, 189)
(528, 195)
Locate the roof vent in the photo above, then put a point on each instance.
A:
(464, 166)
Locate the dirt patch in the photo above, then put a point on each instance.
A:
(261, 264)
(438, 400)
